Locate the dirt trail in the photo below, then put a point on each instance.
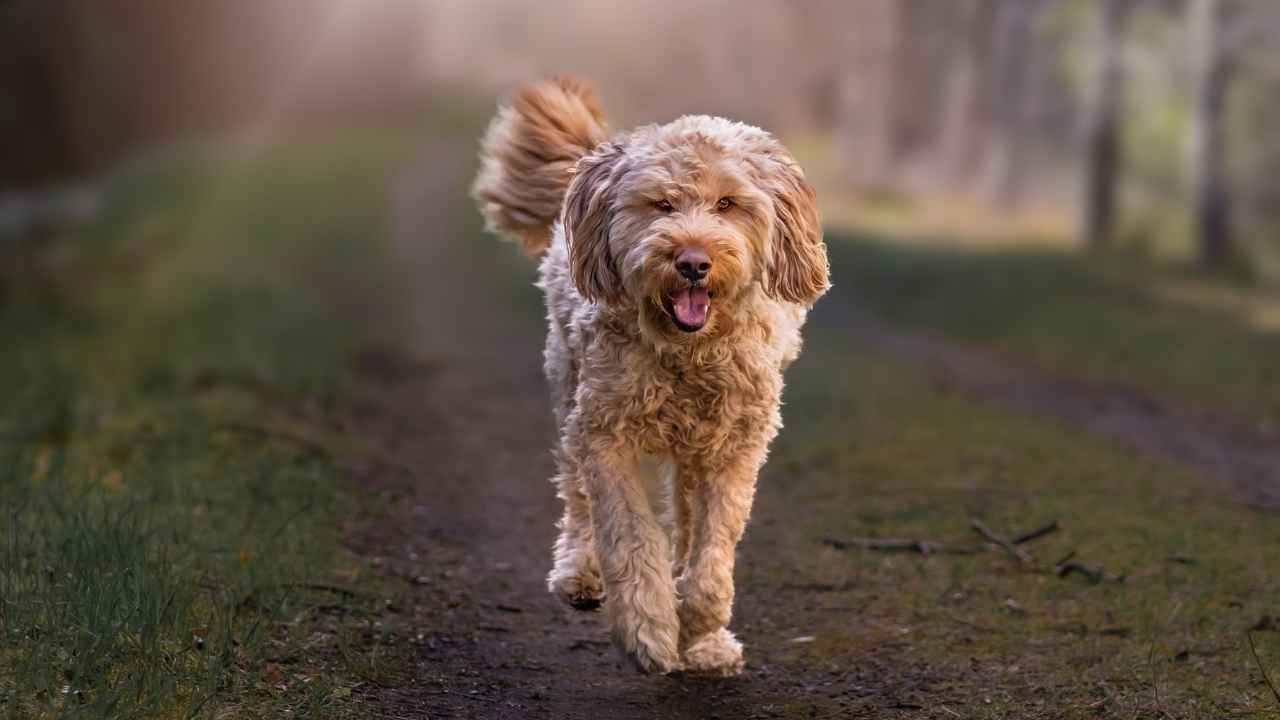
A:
(465, 435)
(1244, 458)
(465, 439)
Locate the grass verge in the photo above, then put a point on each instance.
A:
(1094, 317)
(170, 541)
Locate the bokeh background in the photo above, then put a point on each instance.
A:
(1142, 124)
(273, 432)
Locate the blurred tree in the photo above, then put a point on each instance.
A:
(959, 97)
(1102, 148)
(33, 140)
(1254, 152)
(1211, 65)
(87, 82)
(867, 119)
(1019, 76)
(966, 107)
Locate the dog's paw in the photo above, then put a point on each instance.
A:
(648, 638)
(718, 653)
(580, 588)
(657, 659)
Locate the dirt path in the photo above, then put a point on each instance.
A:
(472, 519)
(1244, 458)
(464, 436)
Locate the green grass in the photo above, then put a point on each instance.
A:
(1096, 317)
(160, 533)
(872, 449)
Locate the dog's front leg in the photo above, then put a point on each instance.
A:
(722, 506)
(635, 556)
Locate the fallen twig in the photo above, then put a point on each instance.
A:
(1000, 540)
(924, 547)
(1036, 534)
(1096, 574)
(1266, 678)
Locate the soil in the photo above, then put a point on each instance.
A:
(464, 437)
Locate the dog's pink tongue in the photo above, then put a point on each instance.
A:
(690, 306)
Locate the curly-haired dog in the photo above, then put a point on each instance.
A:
(678, 262)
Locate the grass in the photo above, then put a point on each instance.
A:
(871, 449)
(1102, 318)
(165, 549)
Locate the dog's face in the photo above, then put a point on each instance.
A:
(683, 220)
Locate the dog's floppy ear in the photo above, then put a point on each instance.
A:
(797, 271)
(588, 212)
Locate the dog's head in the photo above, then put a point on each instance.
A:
(686, 219)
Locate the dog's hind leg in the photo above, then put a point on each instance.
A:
(575, 575)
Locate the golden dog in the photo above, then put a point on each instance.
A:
(679, 262)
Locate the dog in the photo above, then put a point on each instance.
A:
(678, 262)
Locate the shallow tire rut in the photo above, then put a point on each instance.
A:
(1215, 443)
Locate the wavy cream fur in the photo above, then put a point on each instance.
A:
(662, 432)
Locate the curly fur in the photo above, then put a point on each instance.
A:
(662, 429)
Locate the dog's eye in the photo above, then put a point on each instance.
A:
(724, 204)
(664, 206)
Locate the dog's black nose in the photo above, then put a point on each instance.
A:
(693, 264)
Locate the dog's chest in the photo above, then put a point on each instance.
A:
(702, 408)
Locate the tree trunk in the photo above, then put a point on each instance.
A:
(1210, 68)
(865, 131)
(965, 105)
(1018, 66)
(1102, 127)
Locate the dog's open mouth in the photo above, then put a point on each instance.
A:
(688, 308)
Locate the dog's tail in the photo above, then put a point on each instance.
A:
(527, 158)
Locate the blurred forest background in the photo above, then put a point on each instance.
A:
(1138, 124)
(273, 436)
